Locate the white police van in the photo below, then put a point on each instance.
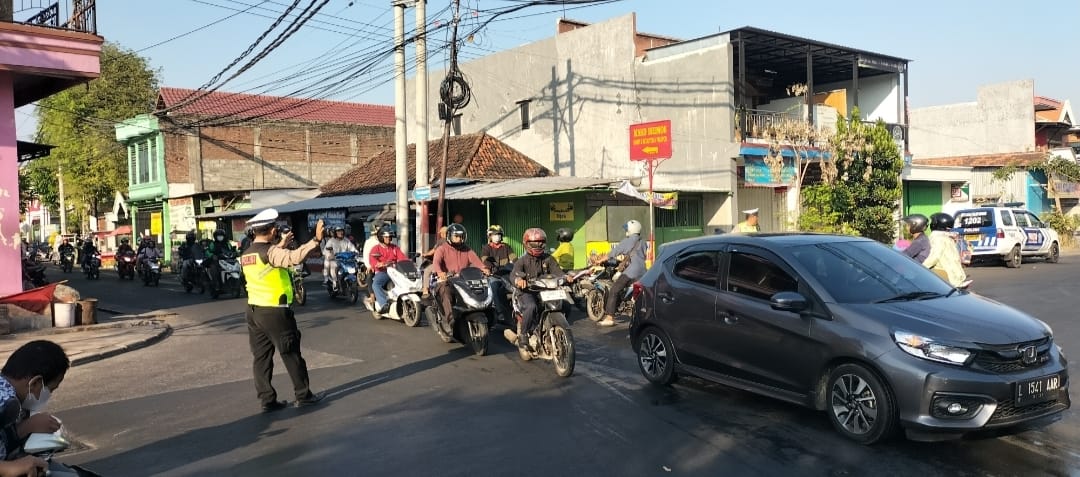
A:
(1007, 232)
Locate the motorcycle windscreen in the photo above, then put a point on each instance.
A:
(470, 274)
(407, 268)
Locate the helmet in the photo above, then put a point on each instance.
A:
(941, 221)
(564, 234)
(219, 233)
(337, 228)
(916, 223)
(535, 240)
(387, 231)
(494, 229)
(189, 237)
(632, 227)
(124, 240)
(456, 230)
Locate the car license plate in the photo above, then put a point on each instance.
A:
(972, 239)
(552, 295)
(1037, 390)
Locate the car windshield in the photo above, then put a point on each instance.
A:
(868, 272)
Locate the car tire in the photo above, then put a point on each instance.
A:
(1014, 259)
(860, 404)
(656, 356)
(1054, 255)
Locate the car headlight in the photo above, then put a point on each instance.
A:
(926, 348)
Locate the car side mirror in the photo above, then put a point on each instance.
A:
(789, 301)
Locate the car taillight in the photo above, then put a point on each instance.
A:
(638, 290)
(1000, 233)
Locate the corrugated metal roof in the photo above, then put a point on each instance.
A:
(527, 186)
(318, 203)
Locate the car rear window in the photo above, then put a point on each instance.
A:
(975, 218)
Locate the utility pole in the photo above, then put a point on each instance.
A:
(63, 208)
(401, 140)
(454, 94)
(422, 124)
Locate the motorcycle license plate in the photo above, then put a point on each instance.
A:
(552, 295)
(1037, 390)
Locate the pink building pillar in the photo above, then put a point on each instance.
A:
(10, 261)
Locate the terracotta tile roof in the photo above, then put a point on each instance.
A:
(279, 108)
(472, 156)
(1042, 102)
(986, 160)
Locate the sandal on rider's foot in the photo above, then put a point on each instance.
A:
(607, 321)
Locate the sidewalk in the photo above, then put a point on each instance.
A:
(85, 344)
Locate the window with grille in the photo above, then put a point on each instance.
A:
(688, 214)
(143, 150)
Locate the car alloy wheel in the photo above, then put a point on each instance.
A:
(1014, 259)
(860, 406)
(1054, 254)
(655, 357)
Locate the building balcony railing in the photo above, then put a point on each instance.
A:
(72, 15)
(753, 123)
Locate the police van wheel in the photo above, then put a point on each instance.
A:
(1052, 257)
(1013, 259)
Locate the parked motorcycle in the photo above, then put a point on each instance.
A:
(150, 272)
(44, 446)
(550, 338)
(347, 282)
(299, 273)
(402, 292)
(92, 267)
(231, 276)
(67, 260)
(472, 311)
(601, 279)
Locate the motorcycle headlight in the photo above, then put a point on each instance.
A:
(468, 299)
(349, 270)
(926, 348)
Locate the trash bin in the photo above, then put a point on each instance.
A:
(88, 311)
(63, 315)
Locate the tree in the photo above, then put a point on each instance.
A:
(1055, 168)
(860, 186)
(80, 123)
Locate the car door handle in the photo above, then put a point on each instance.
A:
(665, 297)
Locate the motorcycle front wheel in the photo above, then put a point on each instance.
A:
(300, 294)
(476, 334)
(562, 350)
(594, 304)
(353, 293)
(410, 313)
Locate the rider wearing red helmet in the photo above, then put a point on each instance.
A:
(535, 263)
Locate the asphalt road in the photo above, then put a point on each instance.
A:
(403, 403)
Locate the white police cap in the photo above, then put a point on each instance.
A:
(265, 217)
(750, 211)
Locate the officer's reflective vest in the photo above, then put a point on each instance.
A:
(267, 285)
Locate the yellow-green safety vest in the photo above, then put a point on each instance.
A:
(267, 285)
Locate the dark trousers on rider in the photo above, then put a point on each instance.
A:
(502, 303)
(215, 273)
(444, 293)
(528, 307)
(615, 294)
(270, 328)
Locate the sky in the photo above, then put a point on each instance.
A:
(952, 51)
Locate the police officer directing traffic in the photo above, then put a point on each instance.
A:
(270, 319)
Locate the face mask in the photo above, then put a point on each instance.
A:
(497, 238)
(36, 403)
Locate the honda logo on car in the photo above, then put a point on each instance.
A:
(1028, 355)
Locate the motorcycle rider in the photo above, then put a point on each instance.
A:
(383, 255)
(430, 255)
(630, 254)
(369, 244)
(249, 236)
(335, 245)
(189, 251)
(944, 257)
(125, 246)
(217, 250)
(66, 248)
(88, 251)
(150, 252)
(497, 254)
(452, 257)
(535, 263)
(919, 248)
(565, 253)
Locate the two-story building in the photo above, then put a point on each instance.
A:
(46, 48)
(568, 102)
(206, 154)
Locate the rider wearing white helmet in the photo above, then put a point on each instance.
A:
(630, 253)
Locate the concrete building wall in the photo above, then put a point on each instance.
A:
(586, 89)
(1002, 120)
(878, 97)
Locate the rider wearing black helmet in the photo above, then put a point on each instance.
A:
(944, 257)
(451, 258)
(920, 243)
(189, 251)
(218, 249)
(380, 257)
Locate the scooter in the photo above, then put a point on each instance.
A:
(603, 278)
(93, 266)
(125, 265)
(151, 272)
(195, 277)
(44, 446)
(230, 279)
(67, 261)
(347, 284)
(472, 311)
(402, 292)
(550, 338)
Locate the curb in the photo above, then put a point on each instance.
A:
(164, 331)
(75, 329)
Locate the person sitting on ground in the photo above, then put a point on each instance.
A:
(32, 373)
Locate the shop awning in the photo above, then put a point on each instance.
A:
(528, 186)
(318, 203)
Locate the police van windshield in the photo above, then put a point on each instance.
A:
(975, 218)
